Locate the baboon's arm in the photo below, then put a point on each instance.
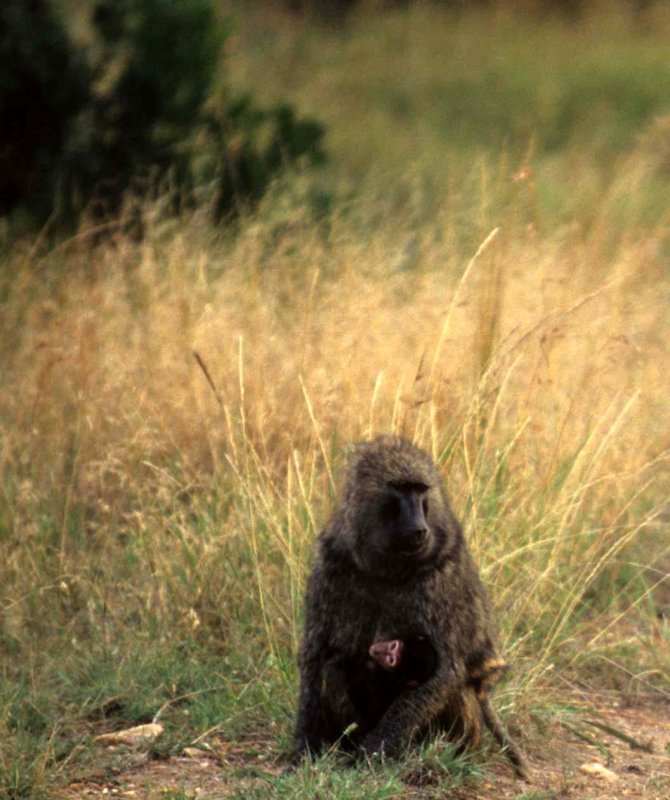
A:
(308, 724)
(411, 710)
(307, 739)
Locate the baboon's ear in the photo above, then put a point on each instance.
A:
(352, 449)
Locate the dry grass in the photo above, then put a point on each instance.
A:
(533, 371)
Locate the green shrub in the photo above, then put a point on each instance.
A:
(44, 84)
(248, 146)
(152, 63)
(128, 109)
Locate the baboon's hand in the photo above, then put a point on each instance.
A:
(373, 748)
(376, 747)
(289, 768)
(301, 751)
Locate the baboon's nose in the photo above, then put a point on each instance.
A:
(415, 537)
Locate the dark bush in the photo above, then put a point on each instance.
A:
(44, 84)
(153, 63)
(258, 145)
(89, 123)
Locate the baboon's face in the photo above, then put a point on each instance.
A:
(403, 513)
(397, 530)
(395, 510)
(387, 653)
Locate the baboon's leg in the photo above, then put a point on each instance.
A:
(461, 718)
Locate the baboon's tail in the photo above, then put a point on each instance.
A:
(503, 738)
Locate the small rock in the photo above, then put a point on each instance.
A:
(597, 770)
(193, 752)
(138, 736)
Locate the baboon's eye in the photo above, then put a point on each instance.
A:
(424, 506)
(391, 508)
(409, 486)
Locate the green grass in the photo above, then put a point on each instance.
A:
(440, 93)
(433, 768)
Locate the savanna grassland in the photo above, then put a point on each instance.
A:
(483, 266)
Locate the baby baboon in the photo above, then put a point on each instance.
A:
(392, 558)
(392, 665)
(387, 654)
(411, 663)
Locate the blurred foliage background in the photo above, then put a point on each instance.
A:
(103, 98)
(112, 102)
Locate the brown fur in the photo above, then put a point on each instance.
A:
(366, 579)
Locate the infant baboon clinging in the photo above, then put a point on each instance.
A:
(391, 666)
(411, 663)
(393, 559)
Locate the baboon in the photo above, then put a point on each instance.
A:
(393, 559)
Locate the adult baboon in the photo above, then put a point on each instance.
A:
(393, 559)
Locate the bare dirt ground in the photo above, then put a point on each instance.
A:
(615, 748)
